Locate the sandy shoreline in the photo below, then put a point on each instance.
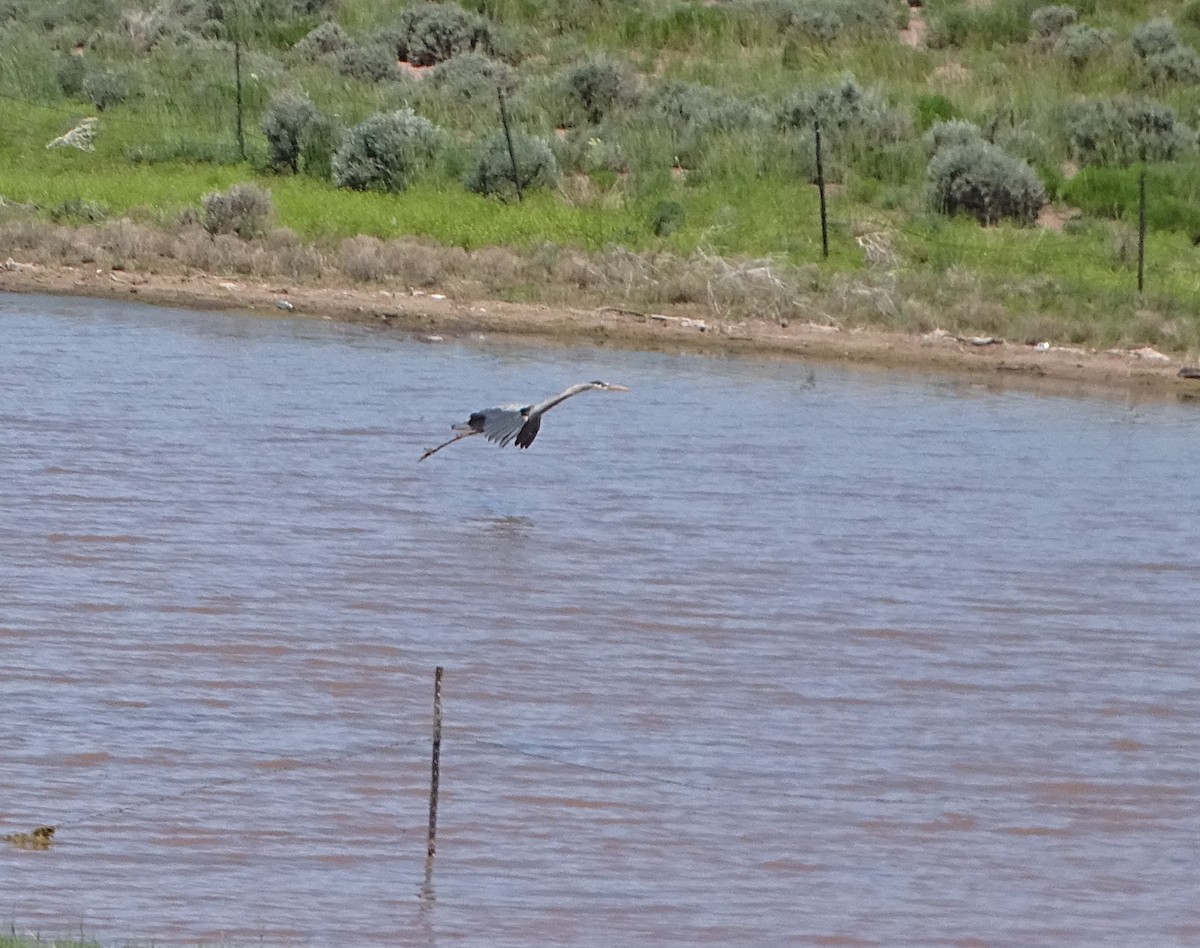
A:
(1143, 374)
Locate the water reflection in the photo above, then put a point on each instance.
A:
(755, 662)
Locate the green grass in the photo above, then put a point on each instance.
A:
(160, 152)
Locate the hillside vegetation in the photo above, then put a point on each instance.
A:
(982, 158)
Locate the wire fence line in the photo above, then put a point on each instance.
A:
(897, 246)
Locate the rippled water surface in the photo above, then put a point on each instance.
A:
(758, 653)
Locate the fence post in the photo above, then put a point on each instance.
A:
(512, 154)
(431, 845)
(1142, 229)
(237, 70)
(821, 191)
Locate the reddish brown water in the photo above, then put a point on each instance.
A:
(744, 657)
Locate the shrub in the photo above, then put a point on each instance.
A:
(666, 218)
(472, 77)
(105, 89)
(844, 107)
(593, 150)
(1181, 64)
(374, 62)
(1122, 131)
(431, 33)
(944, 135)
(1191, 14)
(985, 25)
(70, 75)
(286, 124)
(821, 21)
(244, 210)
(492, 172)
(1048, 22)
(1079, 43)
(933, 108)
(386, 151)
(317, 147)
(1154, 38)
(826, 20)
(596, 86)
(986, 182)
(324, 40)
(689, 106)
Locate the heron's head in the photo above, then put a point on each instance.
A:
(608, 387)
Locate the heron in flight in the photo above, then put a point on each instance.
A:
(518, 423)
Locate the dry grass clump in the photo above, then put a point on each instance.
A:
(366, 259)
(762, 289)
(128, 245)
(361, 259)
(498, 268)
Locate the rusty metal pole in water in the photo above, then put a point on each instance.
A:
(431, 846)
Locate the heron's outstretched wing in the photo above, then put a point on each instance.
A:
(500, 424)
(529, 431)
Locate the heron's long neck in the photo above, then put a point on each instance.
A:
(561, 397)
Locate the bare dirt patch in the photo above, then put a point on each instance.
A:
(914, 33)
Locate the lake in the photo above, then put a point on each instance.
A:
(760, 652)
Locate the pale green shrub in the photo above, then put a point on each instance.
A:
(1122, 131)
(492, 171)
(385, 152)
(285, 123)
(983, 180)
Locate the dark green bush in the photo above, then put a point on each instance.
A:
(986, 182)
(932, 108)
(492, 171)
(385, 152)
(245, 210)
(666, 218)
(1122, 131)
(286, 123)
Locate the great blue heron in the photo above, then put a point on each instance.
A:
(507, 423)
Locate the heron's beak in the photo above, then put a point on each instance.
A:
(617, 388)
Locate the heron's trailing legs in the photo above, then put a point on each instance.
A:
(446, 444)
